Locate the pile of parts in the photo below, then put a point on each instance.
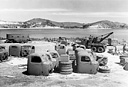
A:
(63, 60)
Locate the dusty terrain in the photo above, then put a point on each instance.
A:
(12, 74)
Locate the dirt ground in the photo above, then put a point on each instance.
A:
(15, 76)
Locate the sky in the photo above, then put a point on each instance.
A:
(84, 11)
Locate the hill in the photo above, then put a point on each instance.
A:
(45, 23)
(105, 24)
(38, 22)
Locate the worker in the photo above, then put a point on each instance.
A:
(124, 48)
(94, 40)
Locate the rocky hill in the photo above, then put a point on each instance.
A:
(44, 23)
(38, 22)
(105, 24)
(9, 24)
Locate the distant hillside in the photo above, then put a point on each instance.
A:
(38, 22)
(44, 23)
(10, 24)
(105, 24)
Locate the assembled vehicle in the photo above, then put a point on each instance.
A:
(95, 43)
(17, 38)
(86, 63)
(3, 54)
(39, 64)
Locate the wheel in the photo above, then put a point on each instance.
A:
(94, 49)
(104, 69)
(65, 68)
(66, 63)
(101, 49)
(67, 71)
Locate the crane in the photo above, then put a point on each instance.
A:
(95, 43)
(103, 37)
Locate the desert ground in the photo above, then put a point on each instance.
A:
(13, 74)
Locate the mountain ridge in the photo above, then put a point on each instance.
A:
(45, 23)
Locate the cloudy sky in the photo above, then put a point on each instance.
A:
(65, 10)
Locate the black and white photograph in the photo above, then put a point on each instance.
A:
(63, 43)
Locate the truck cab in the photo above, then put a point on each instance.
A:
(3, 53)
(86, 63)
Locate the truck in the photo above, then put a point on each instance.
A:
(17, 38)
(95, 43)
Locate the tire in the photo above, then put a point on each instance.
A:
(100, 50)
(65, 68)
(104, 69)
(70, 65)
(65, 73)
(68, 71)
(94, 49)
(66, 63)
